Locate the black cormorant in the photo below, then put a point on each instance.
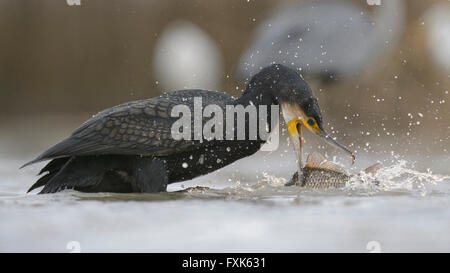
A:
(130, 148)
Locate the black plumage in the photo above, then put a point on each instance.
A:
(129, 147)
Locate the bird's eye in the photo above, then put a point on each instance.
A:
(311, 122)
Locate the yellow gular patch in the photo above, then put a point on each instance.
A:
(292, 125)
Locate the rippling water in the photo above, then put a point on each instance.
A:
(243, 207)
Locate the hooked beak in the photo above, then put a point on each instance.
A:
(295, 128)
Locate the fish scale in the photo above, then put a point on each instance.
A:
(322, 174)
(316, 178)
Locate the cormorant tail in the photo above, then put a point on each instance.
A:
(52, 168)
(104, 173)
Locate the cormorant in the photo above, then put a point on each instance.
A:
(130, 148)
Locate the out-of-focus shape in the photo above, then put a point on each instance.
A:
(437, 23)
(187, 57)
(326, 38)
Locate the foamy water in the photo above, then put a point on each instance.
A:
(243, 207)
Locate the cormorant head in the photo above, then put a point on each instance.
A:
(299, 106)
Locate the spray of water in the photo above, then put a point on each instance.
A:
(399, 177)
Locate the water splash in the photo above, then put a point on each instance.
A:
(400, 177)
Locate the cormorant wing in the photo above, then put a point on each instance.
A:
(134, 128)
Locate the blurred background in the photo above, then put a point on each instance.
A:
(381, 72)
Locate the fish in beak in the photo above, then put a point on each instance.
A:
(296, 119)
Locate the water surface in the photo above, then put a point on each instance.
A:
(243, 207)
